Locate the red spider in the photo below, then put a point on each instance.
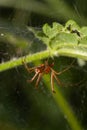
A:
(45, 68)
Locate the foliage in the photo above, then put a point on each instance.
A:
(67, 41)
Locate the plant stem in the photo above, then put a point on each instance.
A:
(75, 52)
(29, 58)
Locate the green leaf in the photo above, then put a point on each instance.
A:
(73, 25)
(47, 30)
(83, 42)
(84, 31)
(63, 39)
(51, 32)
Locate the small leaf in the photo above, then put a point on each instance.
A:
(83, 41)
(84, 31)
(62, 39)
(73, 25)
(46, 40)
(51, 32)
(47, 30)
(57, 28)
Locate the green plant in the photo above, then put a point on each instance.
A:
(69, 40)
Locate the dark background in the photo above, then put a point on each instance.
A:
(21, 106)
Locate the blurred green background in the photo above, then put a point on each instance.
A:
(21, 106)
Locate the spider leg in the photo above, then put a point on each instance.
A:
(26, 66)
(52, 83)
(57, 79)
(38, 79)
(33, 77)
(58, 73)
